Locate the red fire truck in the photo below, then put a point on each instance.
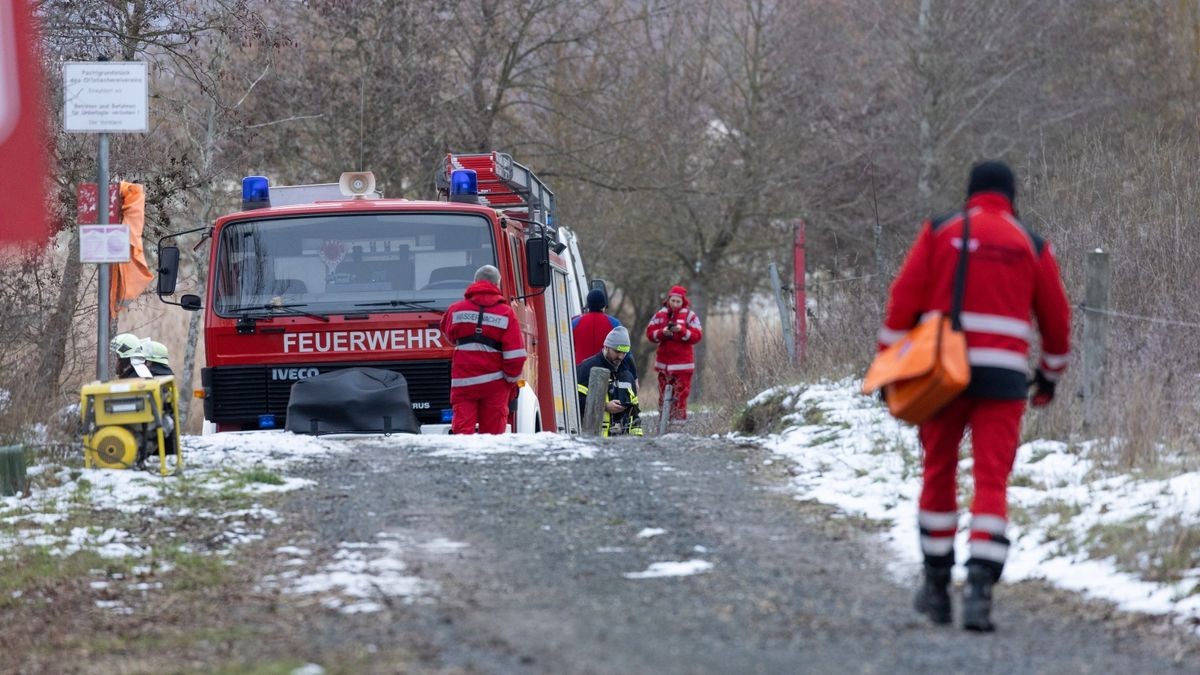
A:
(305, 280)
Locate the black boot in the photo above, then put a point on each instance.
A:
(933, 597)
(977, 599)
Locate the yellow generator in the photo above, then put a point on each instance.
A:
(125, 422)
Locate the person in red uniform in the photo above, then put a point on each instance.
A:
(489, 353)
(589, 329)
(675, 328)
(1012, 275)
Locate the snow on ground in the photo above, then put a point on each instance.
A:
(56, 515)
(362, 577)
(545, 445)
(848, 452)
(683, 568)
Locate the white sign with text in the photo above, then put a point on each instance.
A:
(106, 96)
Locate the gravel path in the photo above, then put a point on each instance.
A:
(541, 584)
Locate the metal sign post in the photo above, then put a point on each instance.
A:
(105, 97)
(103, 281)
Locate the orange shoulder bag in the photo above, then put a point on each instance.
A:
(927, 368)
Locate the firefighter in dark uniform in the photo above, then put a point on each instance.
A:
(621, 412)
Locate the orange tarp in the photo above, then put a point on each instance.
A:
(131, 278)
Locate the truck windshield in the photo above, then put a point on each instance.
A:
(330, 264)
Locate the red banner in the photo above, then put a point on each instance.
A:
(87, 200)
(23, 161)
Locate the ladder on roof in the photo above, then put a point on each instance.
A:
(505, 185)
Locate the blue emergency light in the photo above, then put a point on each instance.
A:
(464, 185)
(256, 193)
(266, 421)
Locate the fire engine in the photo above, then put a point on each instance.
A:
(305, 280)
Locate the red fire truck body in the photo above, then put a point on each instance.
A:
(300, 289)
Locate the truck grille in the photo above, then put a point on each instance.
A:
(239, 394)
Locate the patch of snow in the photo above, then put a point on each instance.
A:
(116, 606)
(545, 445)
(442, 545)
(359, 583)
(650, 532)
(292, 550)
(861, 460)
(671, 569)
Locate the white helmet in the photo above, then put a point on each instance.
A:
(156, 352)
(126, 345)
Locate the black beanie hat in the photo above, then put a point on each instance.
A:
(596, 300)
(992, 177)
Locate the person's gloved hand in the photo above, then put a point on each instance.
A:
(1044, 392)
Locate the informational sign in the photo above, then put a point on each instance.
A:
(22, 133)
(106, 96)
(87, 201)
(103, 243)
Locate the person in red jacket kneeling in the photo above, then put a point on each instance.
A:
(675, 328)
(489, 353)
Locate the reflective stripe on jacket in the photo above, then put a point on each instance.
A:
(674, 349)
(488, 344)
(1012, 279)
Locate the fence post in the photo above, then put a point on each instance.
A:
(785, 318)
(12, 470)
(593, 408)
(798, 268)
(1095, 336)
(664, 409)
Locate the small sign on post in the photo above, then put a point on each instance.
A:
(106, 97)
(87, 204)
(104, 243)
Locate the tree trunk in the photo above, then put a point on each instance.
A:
(743, 351)
(926, 154)
(57, 330)
(189, 359)
(698, 299)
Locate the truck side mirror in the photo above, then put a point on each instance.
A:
(168, 269)
(190, 302)
(537, 260)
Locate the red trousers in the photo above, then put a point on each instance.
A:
(995, 433)
(482, 404)
(682, 386)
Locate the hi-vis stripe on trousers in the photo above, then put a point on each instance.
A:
(995, 431)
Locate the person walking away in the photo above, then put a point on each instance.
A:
(1011, 274)
(489, 353)
(621, 407)
(675, 328)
